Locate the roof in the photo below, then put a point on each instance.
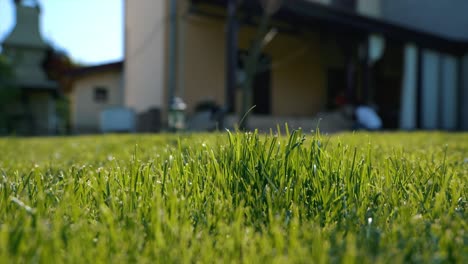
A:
(44, 85)
(302, 13)
(32, 85)
(87, 70)
(310, 12)
(26, 30)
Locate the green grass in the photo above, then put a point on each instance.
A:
(228, 198)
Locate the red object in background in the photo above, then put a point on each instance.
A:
(340, 99)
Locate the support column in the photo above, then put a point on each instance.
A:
(181, 54)
(430, 105)
(231, 55)
(464, 95)
(408, 111)
(172, 52)
(448, 93)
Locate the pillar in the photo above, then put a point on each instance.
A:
(430, 103)
(448, 93)
(231, 55)
(408, 111)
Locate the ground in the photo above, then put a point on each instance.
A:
(235, 197)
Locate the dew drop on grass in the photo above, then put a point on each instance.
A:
(417, 217)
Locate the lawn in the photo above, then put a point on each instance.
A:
(235, 197)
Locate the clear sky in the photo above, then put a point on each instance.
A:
(90, 31)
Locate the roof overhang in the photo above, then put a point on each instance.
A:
(303, 14)
(87, 70)
(44, 85)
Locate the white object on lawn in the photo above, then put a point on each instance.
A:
(368, 118)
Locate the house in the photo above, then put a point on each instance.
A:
(435, 73)
(94, 89)
(33, 112)
(410, 62)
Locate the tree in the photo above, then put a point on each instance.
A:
(57, 65)
(6, 71)
(252, 60)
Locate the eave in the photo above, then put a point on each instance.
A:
(305, 14)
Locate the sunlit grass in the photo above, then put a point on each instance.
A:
(235, 197)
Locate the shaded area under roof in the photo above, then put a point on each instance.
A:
(305, 13)
(83, 71)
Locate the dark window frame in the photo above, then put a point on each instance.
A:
(101, 94)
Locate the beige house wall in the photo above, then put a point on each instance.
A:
(204, 61)
(297, 84)
(85, 111)
(298, 76)
(145, 41)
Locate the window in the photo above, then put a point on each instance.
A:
(100, 95)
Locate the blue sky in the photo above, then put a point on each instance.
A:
(90, 31)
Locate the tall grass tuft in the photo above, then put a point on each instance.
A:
(235, 197)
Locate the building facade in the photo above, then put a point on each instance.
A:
(145, 54)
(435, 84)
(93, 90)
(366, 50)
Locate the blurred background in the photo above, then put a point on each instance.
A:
(83, 66)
